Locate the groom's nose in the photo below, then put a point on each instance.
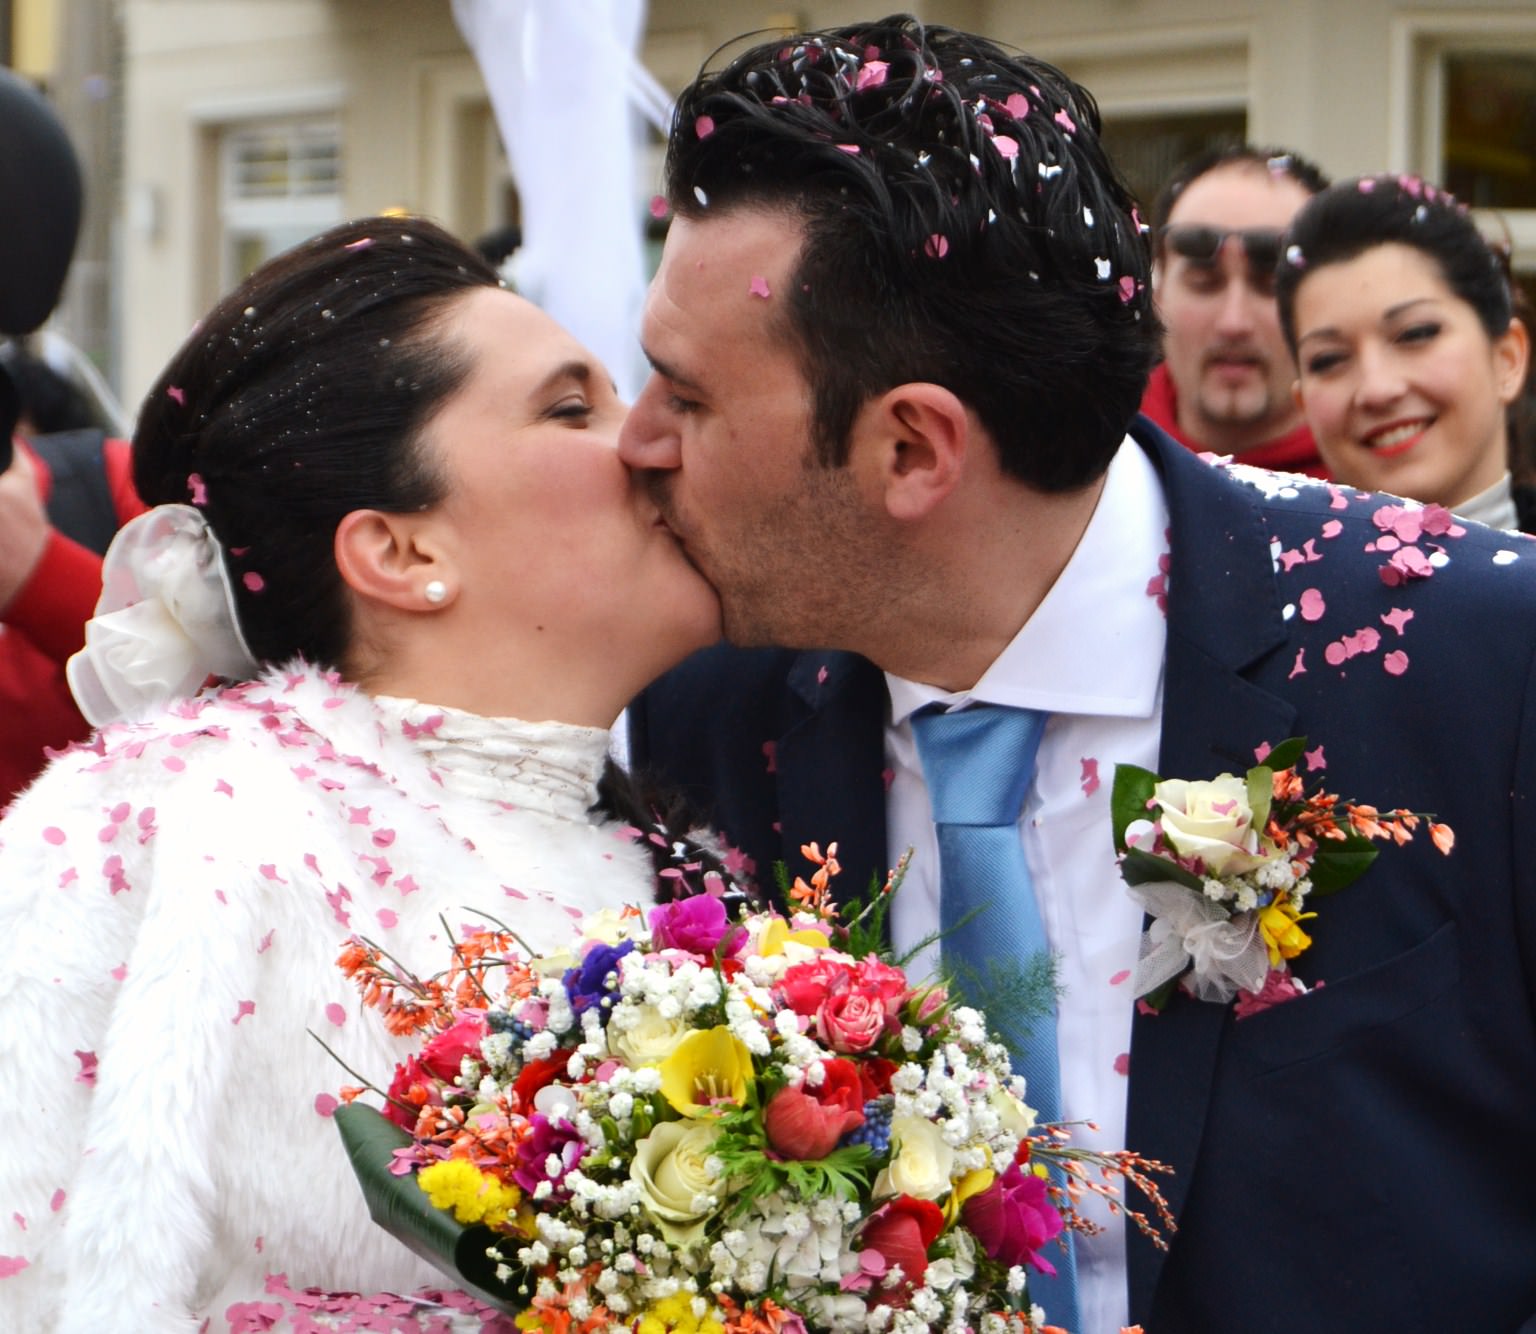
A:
(649, 438)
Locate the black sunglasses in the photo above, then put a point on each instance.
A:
(1203, 244)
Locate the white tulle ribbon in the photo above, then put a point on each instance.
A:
(1224, 953)
(165, 622)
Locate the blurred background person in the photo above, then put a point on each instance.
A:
(1411, 358)
(1225, 380)
(62, 497)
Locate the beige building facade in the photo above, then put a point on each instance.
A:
(246, 124)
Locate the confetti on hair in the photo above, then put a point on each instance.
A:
(362, 243)
(851, 149)
(1365, 185)
(1294, 257)
(177, 395)
(936, 246)
(1128, 288)
(704, 126)
(658, 206)
(1016, 105)
(759, 286)
(196, 489)
(1102, 269)
(698, 193)
(1049, 170)
(1065, 121)
(871, 76)
(1006, 146)
(253, 581)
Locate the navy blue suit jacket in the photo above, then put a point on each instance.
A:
(1358, 1159)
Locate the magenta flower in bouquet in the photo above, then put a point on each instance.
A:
(730, 1125)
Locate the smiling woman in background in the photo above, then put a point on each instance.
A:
(1410, 356)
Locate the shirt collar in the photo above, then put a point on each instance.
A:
(1095, 643)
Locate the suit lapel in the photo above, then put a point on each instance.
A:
(829, 764)
(1224, 616)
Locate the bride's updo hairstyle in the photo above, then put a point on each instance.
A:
(300, 398)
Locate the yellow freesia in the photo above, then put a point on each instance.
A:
(708, 1067)
(1282, 935)
(674, 1315)
(972, 1183)
(777, 934)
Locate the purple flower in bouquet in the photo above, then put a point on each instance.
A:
(550, 1151)
(1013, 1219)
(587, 983)
(699, 925)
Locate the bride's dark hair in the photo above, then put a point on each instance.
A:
(301, 397)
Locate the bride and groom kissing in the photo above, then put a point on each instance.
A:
(898, 337)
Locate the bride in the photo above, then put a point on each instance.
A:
(390, 516)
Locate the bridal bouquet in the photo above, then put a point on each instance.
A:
(1228, 867)
(702, 1123)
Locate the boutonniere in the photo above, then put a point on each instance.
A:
(1229, 867)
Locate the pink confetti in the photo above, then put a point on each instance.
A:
(871, 75)
(174, 763)
(57, 1202)
(1316, 760)
(851, 149)
(359, 814)
(1123, 1063)
(1090, 775)
(1016, 105)
(1119, 977)
(87, 1072)
(1332, 528)
(1312, 605)
(387, 917)
(120, 972)
(382, 838)
(325, 1104)
(1065, 121)
(20, 1220)
(244, 1008)
(266, 941)
(1008, 148)
(658, 207)
(759, 286)
(11, 1265)
(1396, 662)
(196, 489)
(222, 786)
(361, 244)
(821, 676)
(1261, 751)
(336, 1014)
(1299, 667)
(406, 884)
(1397, 618)
(177, 395)
(253, 581)
(1335, 654)
(887, 777)
(704, 126)
(1127, 287)
(771, 753)
(269, 872)
(936, 246)
(53, 834)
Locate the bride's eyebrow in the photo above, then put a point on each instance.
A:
(580, 371)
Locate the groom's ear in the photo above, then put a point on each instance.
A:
(916, 437)
(387, 558)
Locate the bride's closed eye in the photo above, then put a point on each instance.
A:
(574, 409)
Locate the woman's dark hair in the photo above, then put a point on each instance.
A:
(300, 398)
(1345, 220)
(962, 226)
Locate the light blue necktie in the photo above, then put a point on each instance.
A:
(978, 764)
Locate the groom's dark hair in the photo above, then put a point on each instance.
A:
(962, 226)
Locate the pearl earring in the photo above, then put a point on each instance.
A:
(435, 592)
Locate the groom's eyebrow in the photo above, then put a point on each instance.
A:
(669, 372)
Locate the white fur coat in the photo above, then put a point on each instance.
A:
(172, 901)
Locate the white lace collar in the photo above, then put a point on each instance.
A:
(548, 767)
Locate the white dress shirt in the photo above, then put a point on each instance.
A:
(1091, 656)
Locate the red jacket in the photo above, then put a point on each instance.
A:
(39, 629)
(1295, 451)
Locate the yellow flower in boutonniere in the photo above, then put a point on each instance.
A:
(709, 1067)
(1282, 934)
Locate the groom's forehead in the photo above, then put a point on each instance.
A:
(726, 276)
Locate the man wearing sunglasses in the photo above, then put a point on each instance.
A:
(1225, 381)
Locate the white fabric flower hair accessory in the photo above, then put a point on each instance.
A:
(165, 622)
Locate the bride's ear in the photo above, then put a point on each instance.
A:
(391, 559)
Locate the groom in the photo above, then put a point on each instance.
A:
(899, 334)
